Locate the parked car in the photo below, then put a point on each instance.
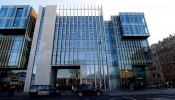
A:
(87, 90)
(36, 90)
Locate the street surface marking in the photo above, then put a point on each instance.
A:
(101, 98)
(129, 98)
(113, 99)
(171, 96)
(158, 98)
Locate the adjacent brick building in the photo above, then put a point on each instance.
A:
(163, 68)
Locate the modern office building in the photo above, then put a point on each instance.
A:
(74, 45)
(16, 31)
(163, 69)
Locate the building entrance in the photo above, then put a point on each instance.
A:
(66, 78)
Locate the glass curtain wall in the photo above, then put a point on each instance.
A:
(106, 59)
(130, 53)
(133, 24)
(16, 51)
(80, 40)
(12, 17)
(112, 55)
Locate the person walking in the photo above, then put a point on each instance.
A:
(72, 88)
(131, 87)
(11, 91)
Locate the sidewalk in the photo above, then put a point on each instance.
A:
(16, 94)
(140, 92)
(111, 92)
(22, 94)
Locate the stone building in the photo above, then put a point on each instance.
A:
(163, 68)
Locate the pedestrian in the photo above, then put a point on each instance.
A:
(168, 84)
(72, 88)
(131, 87)
(171, 85)
(11, 91)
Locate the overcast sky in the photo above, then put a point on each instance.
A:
(160, 14)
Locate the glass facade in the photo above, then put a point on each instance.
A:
(80, 40)
(105, 56)
(133, 56)
(16, 31)
(16, 51)
(133, 25)
(14, 17)
(109, 54)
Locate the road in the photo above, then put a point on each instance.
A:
(135, 97)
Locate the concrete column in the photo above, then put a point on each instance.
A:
(32, 52)
(44, 75)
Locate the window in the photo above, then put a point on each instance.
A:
(135, 19)
(131, 18)
(48, 87)
(34, 87)
(131, 29)
(17, 22)
(11, 12)
(1, 22)
(18, 17)
(19, 12)
(7, 23)
(122, 19)
(41, 87)
(2, 12)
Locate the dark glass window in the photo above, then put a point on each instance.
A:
(17, 22)
(140, 19)
(135, 18)
(126, 29)
(127, 18)
(131, 19)
(136, 29)
(11, 12)
(18, 17)
(19, 12)
(1, 22)
(5, 12)
(7, 23)
(34, 87)
(2, 12)
(16, 51)
(131, 30)
(48, 87)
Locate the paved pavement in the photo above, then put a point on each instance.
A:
(170, 91)
(133, 97)
(163, 91)
(150, 97)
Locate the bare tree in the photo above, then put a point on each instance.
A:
(75, 72)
